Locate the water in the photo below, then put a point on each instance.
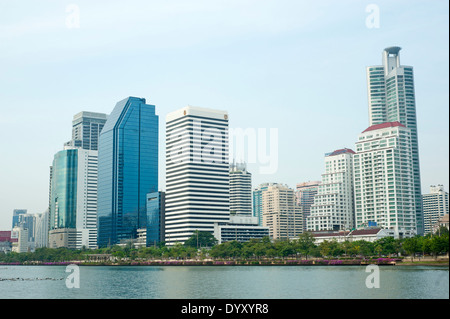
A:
(224, 282)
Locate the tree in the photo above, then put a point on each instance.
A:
(201, 239)
(411, 246)
(284, 248)
(305, 244)
(324, 248)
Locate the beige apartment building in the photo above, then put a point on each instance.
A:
(281, 213)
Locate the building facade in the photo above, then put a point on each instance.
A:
(19, 236)
(41, 230)
(384, 179)
(127, 170)
(392, 99)
(257, 201)
(435, 206)
(239, 228)
(73, 199)
(156, 203)
(86, 128)
(197, 172)
(280, 212)
(333, 207)
(305, 198)
(240, 190)
(16, 216)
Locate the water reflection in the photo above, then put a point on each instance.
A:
(227, 282)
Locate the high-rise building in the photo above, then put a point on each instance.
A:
(41, 230)
(281, 213)
(435, 206)
(392, 99)
(156, 203)
(127, 170)
(72, 220)
(19, 236)
(383, 178)
(240, 190)
(333, 207)
(86, 128)
(257, 201)
(305, 198)
(197, 172)
(16, 214)
(27, 221)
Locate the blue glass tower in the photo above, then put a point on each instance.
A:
(127, 170)
(155, 218)
(63, 205)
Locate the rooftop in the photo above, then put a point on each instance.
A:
(393, 50)
(369, 231)
(341, 151)
(383, 125)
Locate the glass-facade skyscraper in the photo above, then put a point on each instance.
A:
(127, 170)
(155, 218)
(72, 218)
(392, 98)
(63, 194)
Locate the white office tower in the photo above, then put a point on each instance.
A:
(392, 99)
(197, 172)
(383, 178)
(281, 213)
(435, 206)
(21, 244)
(333, 207)
(41, 230)
(240, 190)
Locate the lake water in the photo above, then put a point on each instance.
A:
(223, 282)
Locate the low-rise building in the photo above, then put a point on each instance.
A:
(367, 234)
(240, 228)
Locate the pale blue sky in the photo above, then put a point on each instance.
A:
(293, 65)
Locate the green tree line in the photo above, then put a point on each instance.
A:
(202, 245)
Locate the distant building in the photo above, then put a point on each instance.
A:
(16, 214)
(333, 207)
(27, 221)
(6, 241)
(366, 234)
(156, 203)
(280, 212)
(435, 206)
(442, 222)
(20, 245)
(305, 198)
(239, 228)
(41, 230)
(257, 200)
(86, 128)
(240, 190)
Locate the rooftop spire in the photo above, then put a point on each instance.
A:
(391, 58)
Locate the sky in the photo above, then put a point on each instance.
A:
(298, 67)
